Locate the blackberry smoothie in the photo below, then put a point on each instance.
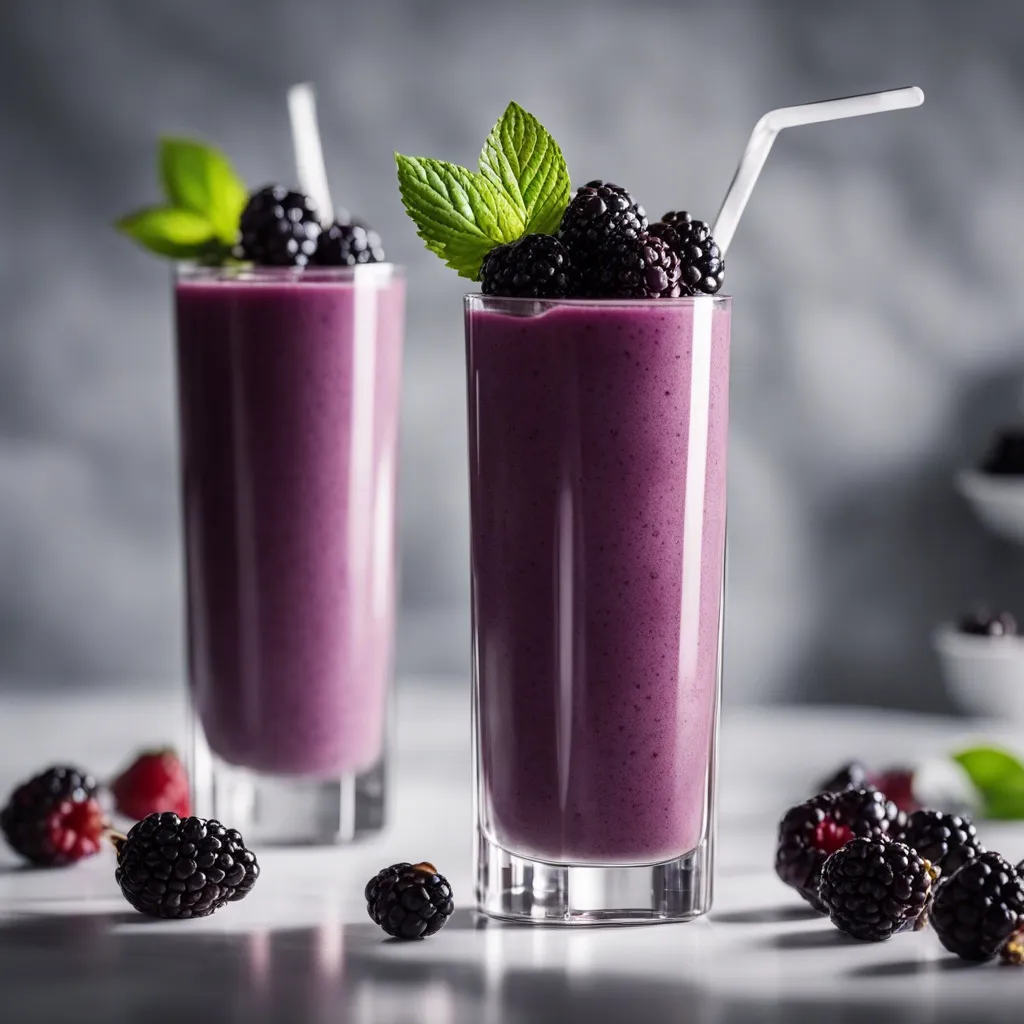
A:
(289, 395)
(598, 492)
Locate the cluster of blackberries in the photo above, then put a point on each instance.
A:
(875, 870)
(605, 248)
(283, 229)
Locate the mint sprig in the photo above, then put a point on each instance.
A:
(998, 777)
(522, 187)
(205, 198)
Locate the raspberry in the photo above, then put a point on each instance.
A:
(811, 831)
(873, 888)
(409, 901)
(54, 819)
(154, 781)
(181, 868)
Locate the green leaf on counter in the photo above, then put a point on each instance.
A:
(999, 777)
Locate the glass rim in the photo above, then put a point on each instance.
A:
(246, 273)
(520, 304)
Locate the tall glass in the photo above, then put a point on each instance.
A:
(288, 393)
(598, 489)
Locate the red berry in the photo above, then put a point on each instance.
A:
(154, 782)
(898, 786)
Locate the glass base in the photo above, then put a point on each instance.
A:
(288, 810)
(514, 888)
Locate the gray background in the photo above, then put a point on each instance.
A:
(877, 331)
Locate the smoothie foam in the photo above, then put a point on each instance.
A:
(598, 490)
(289, 391)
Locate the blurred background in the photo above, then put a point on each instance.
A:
(878, 331)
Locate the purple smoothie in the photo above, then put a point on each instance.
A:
(598, 489)
(289, 389)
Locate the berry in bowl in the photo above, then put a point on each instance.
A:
(995, 489)
(982, 658)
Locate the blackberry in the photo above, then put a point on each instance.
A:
(347, 244)
(984, 622)
(534, 267)
(852, 775)
(946, 841)
(598, 214)
(279, 228)
(875, 887)
(811, 831)
(637, 268)
(183, 867)
(1005, 457)
(54, 818)
(692, 241)
(978, 908)
(409, 901)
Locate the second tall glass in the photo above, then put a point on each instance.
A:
(598, 437)
(288, 395)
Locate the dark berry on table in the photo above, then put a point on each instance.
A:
(874, 887)
(54, 818)
(985, 622)
(279, 228)
(898, 786)
(183, 867)
(635, 268)
(348, 244)
(1006, 455)
(946, 841)
(534, 267)
(811, 831)
(978, 908)
(852, 775)
(598, 214)
(703, 268)
(409, 901)
(155, 781)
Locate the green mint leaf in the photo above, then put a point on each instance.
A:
(171, 231)
(999, 777)
(200, 178)
(523, 161)
(460, 215)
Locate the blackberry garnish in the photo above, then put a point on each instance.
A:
(636, 268)
(874, 887)
(985, 622)
(534, 267)
(811, 831)
(279, 228)
(1006, 455)
(598, 214)
(409, 901)
(54, 819)
(978, 908)
(692, 241)
(347, 244)
(852, 775)
(183, 867)
(946, 841)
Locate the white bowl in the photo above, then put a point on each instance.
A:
(998, 501)
(985, 674)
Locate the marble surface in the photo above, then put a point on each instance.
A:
(301, 948)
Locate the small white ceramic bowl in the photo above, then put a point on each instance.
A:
(998, 501)
(985, 674)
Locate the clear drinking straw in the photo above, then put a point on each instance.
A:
(309, 154)
(761, 138)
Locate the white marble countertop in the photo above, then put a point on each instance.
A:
(301, 948)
